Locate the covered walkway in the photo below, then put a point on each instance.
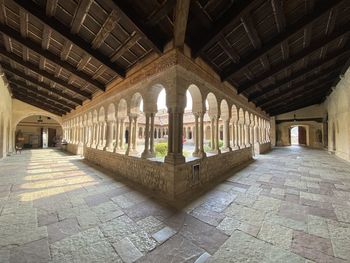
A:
(287, 206)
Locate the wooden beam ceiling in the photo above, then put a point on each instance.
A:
(44, 73)
(125, 9)
(42, 85)
(27, 43)
(57, 26)
(298, 74)
(322, 8)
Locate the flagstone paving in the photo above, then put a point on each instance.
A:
(291, 205)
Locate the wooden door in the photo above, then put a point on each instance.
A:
(302, 135)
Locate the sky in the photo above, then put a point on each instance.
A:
(161, 103)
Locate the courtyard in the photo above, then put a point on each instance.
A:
(291, 205)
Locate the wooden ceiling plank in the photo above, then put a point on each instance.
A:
(231, 16)
(297, 87)
(180, 24)
(51, 6)
(251, 31)
(300, 73)
(57, 26)
(159, 14)
(80, 15)
(323, 8)
(229, 50)
(32, 101)
(83, 62)
(62, 103)
(9, 32)
(36, 98)
(23, 23)
(278, 14)
(108, 26)
(44, 73)
(129, 43)
(2, 12)
(304, 53)
(46, 37)
(331, 21)
(41, 84)
(125, 9)
(67, 47)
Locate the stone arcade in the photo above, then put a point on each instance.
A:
(174, 131)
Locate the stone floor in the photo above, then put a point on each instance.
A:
(291, 205)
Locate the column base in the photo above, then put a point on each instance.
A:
(195, 154)
(227, 149)
(215, 151)
(147, 154)
(174, 159)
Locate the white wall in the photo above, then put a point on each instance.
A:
(5, 120)
(338, 108)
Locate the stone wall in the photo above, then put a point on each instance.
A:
(211, 169)
(75, 149)
(164, 179)
(261, 148)
(149, 174)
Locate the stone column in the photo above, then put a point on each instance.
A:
(134, 135)
(151, 144)
(121, 134)
(196, 136)
(98, 134)
(146, 152)
(116, 127)
(212, 135)
(217, 145)
(128, 149)
(227, 135)
(109, 139)
(201, 135)
(175, 155)
(248, 135)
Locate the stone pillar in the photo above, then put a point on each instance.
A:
(201, 136)
(212, 135)
(217, 145)
(116, 132)
(175, 155)
(151, 144)
(121, 133)
(146, 151)
(109, 139)
(98, 134)
(134, 136)
(248, 135)
(128, 149)
(227, 135)
(196, 136)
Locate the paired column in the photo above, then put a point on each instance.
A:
(196, 136)
(149, 136)
(109, 139)
(175, 136)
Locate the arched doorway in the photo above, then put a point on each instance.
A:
(38, 131)
(298, 135)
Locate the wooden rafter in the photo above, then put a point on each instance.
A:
(124, 8)
(44, 73)
(251, 31)
(296, 106)
(297, 88)
(41, 50)
(51, 6)
(80, 14)
(23, 84)
(323, 8)
(304, 53)
(57, 26)
(41, 84)
(180, 24)
(24, 98)
(43, 95)
(229, 50)
(232, 15)
(278, 14)
(131, 41)
(299, 73)
(159, 14)
(106, 29)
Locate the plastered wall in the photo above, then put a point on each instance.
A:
(338, 110)
(5, 120)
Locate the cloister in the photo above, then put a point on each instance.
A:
(174, 131)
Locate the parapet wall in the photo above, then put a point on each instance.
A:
(164, 179)
(261, 148)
